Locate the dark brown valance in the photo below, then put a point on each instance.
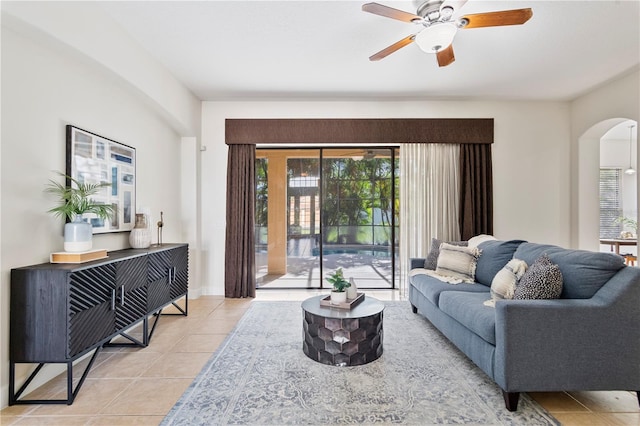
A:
(359, 131)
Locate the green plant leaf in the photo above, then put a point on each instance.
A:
(75, 200)
(337, 280)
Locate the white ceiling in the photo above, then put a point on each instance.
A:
(226, 50)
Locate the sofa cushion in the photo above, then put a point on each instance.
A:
(583, 272)
(457, 262)
(431, 261)
(469, 310)
(431, 287)
(543, 280)
(495, 255)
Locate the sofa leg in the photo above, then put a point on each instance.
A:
(414, 309)
(511, 400)
(638, 396)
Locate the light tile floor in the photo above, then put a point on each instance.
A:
(138, 386)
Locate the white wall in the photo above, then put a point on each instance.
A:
(593, 115)
(95, 37)
(44, 87)
(530, 154)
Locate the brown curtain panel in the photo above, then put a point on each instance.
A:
(476, 190)
(239, 263)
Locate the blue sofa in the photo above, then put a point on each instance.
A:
(588, 339)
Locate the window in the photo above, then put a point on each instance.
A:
(610, 202)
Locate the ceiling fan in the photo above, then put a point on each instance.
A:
(436, 16)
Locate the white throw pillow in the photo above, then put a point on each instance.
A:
(479, 239)
(503, 285)
(458, 262)
(431, 260)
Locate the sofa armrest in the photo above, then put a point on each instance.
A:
(570, 344)
(416, 262)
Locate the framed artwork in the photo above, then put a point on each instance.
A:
(92, 158)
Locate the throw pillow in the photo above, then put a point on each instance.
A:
(479, 239)
(504, 283)
(543, 280)
(458, 262)
(431, 260)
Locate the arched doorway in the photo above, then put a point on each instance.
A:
(589, 164)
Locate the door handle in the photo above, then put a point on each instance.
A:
(113, 299)
(122, 302)
(171, 274)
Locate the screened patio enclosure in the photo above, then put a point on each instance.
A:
(320, 209)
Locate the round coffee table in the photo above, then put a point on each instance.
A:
(342, 337)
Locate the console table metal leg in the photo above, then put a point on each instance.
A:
(132, 340)
(71, 392)
(184, 311)
(155, 323)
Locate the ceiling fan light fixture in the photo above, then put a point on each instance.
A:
(446, 13)
(436, 37)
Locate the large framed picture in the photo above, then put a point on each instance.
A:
(92, 158)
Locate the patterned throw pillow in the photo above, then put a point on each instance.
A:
(458, 262)
(504, 283)
(431, 260)
(543, 280)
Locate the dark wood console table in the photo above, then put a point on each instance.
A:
(61, 312)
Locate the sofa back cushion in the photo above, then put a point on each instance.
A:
(583, 272)
(495, 255)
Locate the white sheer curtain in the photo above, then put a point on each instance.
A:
(429, 199)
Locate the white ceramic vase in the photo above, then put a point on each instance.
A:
(78, 236)
(352, 290)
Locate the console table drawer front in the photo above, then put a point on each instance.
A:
(132, 273)
(90, 326)
(134, 307)
(158, 265)
(180, 278)
(180, 283)
(158, 294)
(92, 287)
(168, 276)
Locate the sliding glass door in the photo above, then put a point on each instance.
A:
(322, 209)
(358, 208)
(303, 221)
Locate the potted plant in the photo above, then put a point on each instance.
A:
(75, 200)
(627, 222)
(340, 285)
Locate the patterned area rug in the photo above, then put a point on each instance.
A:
(260, 376)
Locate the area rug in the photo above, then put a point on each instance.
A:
(260, 376)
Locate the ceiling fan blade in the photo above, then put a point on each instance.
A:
(496, 19)
(389, 12)
(395, 46)
(445, 56)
